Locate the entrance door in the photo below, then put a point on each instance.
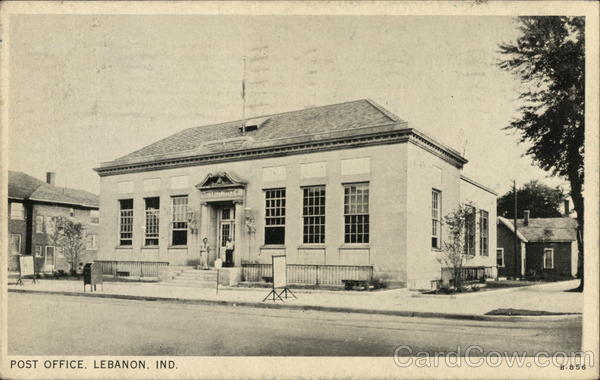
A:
(226, 229)
(49, 259)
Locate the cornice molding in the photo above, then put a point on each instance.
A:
(477, 184)
(350, 142)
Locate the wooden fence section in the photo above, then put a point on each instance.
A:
(306, 274)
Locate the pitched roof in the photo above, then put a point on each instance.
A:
(21, 185)
(24, 186)
(510, 225)
(361, 116)
(547, 229)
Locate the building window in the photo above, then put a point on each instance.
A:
(39, 251)
(275, 216)
(548, 258)
(49, 223)
(126, 222)
(15, 243)
(92, 240)
(500, 257)
(356, 213)
(94, 216)
(470, 231)
(39, 224)
(179, 226)
(483, 233)
(152, 220)
(436, 230)
(314, 215)
(17, 211)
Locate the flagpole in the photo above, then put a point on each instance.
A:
(244, 98)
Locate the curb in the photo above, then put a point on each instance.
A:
(495, 291)
(335, 309)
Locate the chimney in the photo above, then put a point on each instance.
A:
(525, 217)
(51, 178)
(566, 206)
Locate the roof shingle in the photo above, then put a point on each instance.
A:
(297, 125)
(546, 229)
(24, 186)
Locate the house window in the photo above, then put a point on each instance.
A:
(17, 211)
(39, 251)
(152, 220)
(483, 233)
(275, 216)
(126, 222)
(500, 257)
(49, 224)
(356, 213)
(94, 216)
(470, 231)
(92, 242)
(436, 231)
(179, 225)
(15, 243)
(313, 214)
(548, 258)
(39, 224)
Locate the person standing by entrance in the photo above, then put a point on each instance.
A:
(229, 247)
(204, 249)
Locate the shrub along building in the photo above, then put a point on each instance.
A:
(32, 204)
(547, 247)
(345, 191)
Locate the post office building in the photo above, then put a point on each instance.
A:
(344, 191)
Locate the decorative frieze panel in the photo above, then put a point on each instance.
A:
(356, 166)
(274, 173)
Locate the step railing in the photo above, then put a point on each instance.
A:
(469, 274)
(141, 269)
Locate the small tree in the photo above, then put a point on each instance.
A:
(69, 236)
(455, 253)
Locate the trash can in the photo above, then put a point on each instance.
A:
(92, 276)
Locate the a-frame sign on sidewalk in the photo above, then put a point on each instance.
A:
(26, 268)
(279, 266)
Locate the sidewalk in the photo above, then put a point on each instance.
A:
(548, 297)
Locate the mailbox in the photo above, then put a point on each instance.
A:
(92, 275)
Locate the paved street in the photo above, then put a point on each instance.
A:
(63, 325)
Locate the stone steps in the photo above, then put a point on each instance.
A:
(181, 268)
(191, 284)
(207, 275)
(191, 277)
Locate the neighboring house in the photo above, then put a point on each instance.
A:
(548, 247)
(32, 204)
(342, 188)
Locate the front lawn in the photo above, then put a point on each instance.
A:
(485, 287)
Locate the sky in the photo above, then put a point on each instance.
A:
(86, 89)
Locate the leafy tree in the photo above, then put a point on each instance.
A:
(454, 253)
(549, 59)
(541, 200)
(68, 235)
